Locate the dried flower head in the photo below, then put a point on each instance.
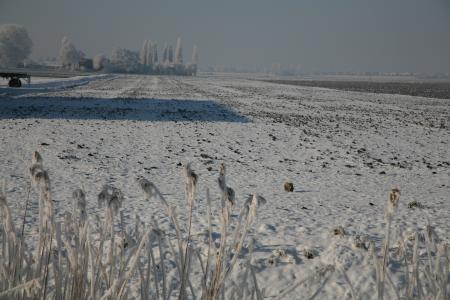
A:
(79, 201)
(260, 200)
(231, 197)
(221, 179)
(147, 187)
(190, 175)
(394, 197)
(40, 177)
(339, 231)
(252, 204)
(191, 183)
(3, 202)
(35, 168)
(360, 242)
(111, 197)
(398, 249)
(37, 158)
(228, 192)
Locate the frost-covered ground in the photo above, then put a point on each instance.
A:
(343, 151)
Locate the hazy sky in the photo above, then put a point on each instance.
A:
(319, 35)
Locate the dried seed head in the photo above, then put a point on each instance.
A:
(228, 193)
(40, 177)
(104, 195)
(221, 179)
(399, 249)
(3, 202)
(111, 197)
(411, 236)
(79, 203)
(68, 221)
(252, 204)
(150, 190)
(260, 199)
(360, 242)
(394, 197)
(190, 175)
(37, 158)
(231, 196)
(34, 169)
(79, 196)
(339, 231)
(191, 183)
(172, 211)
(431, 234)
(147, 187)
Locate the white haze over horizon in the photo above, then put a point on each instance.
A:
(319, 35)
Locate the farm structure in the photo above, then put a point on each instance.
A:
(14, 78)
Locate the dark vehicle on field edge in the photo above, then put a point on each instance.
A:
(14, 78)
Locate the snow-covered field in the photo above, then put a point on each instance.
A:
(343, 151)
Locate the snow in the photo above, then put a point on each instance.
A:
(343, 151)
(44, 84)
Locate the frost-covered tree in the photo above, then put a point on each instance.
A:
(148, 61)
(170, 54)
(69, 55)
(165, 53)
(149, 53)
(155, 53)
(143, 53)
(15, 45)
(179, 52)
(193, 67)
(195, 55)
(99, 61)
(124, 60)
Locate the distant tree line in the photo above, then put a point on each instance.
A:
(15, 48)
(122, 60)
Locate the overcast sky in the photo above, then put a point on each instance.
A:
(319, 35)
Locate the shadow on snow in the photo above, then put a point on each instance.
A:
(118, 109)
